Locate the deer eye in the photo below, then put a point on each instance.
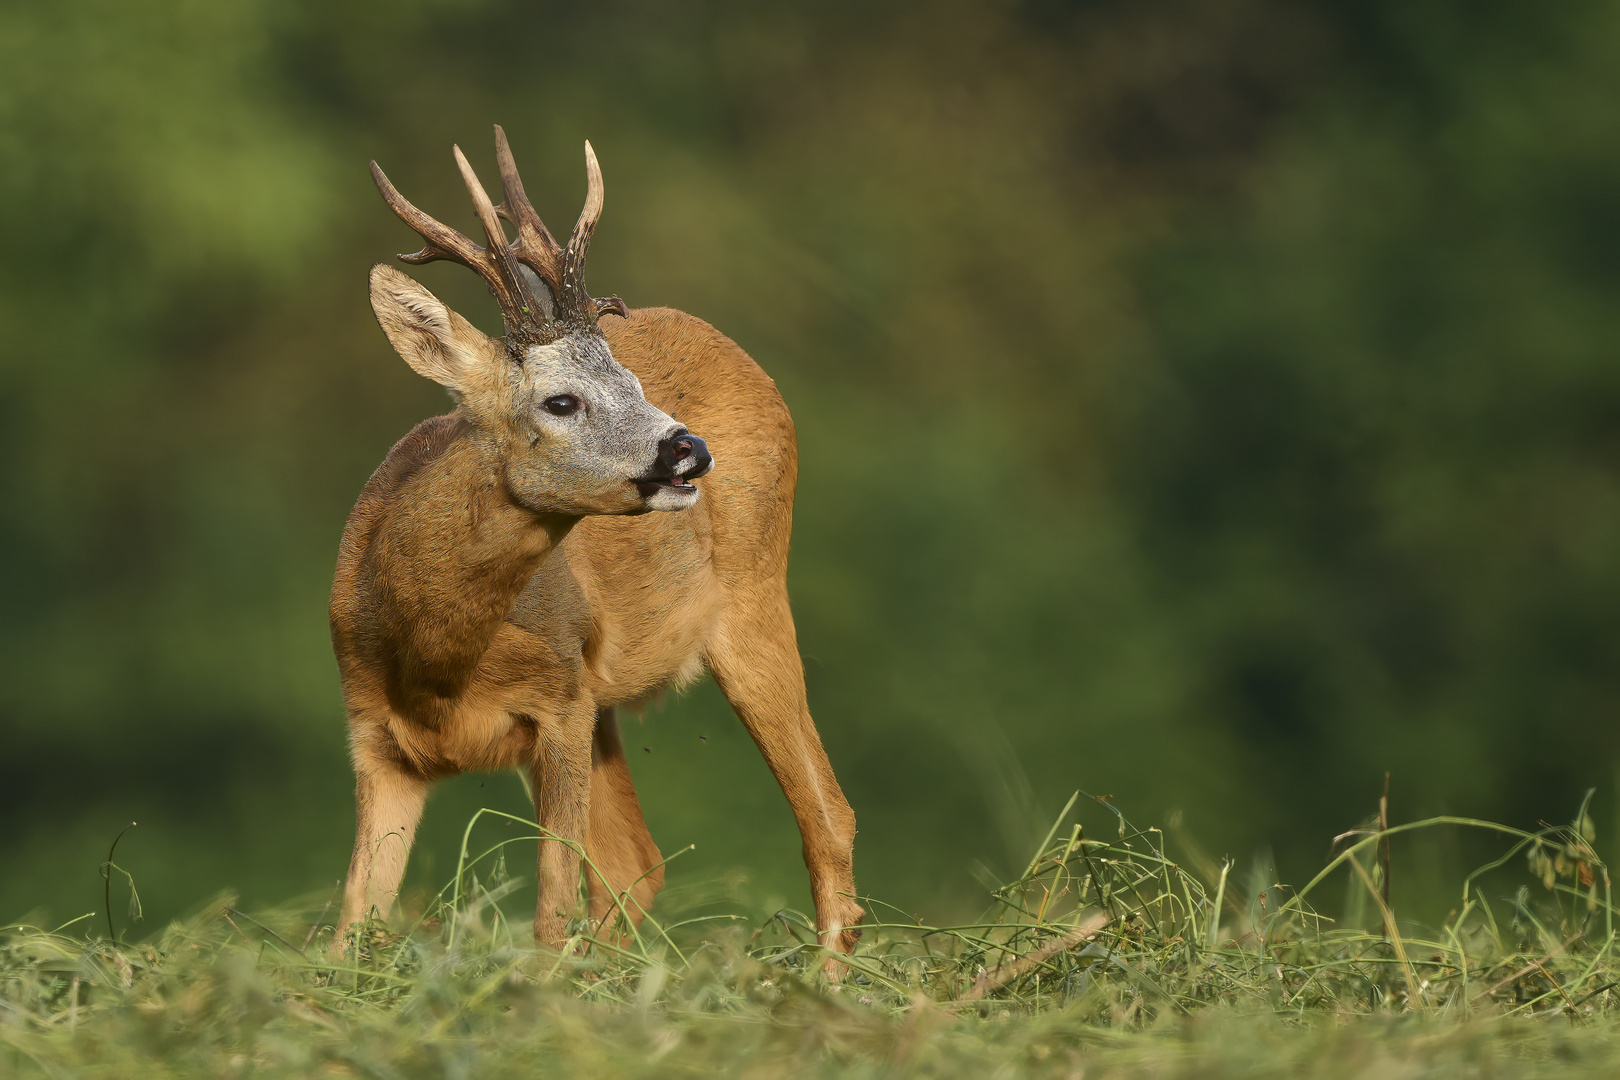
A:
(562, 405)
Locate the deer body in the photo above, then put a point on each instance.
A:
(501, 591)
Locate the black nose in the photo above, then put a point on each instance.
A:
(685, 455)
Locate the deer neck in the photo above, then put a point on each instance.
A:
(451, 561)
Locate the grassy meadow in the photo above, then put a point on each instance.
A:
(1110, 955)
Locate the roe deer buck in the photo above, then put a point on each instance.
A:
(501, 588)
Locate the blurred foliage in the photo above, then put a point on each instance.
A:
(1209, 403)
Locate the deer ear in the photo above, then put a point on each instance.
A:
(434, 340)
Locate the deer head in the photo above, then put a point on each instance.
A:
(569, 426)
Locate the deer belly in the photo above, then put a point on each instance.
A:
(479, 740)
(641, 678)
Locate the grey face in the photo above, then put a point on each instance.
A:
(588, 442)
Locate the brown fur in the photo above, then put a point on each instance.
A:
(473, 633)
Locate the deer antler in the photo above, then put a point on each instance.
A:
(534, 246)
(530, 319)
(562, 269)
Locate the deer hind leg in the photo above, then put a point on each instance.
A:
(624, 864)
(755, 660)
(561, 777)
(388, 802)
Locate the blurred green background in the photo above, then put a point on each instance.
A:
(1210, 403)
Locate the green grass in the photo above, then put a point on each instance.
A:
(1106, 957)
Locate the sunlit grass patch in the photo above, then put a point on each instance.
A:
(1106, 954)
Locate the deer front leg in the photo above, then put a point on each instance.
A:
(561, 778)
(755, 660)
(388, 804)
(624, 860)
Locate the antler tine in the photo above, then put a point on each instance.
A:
(516, 302)
(579, 242)
(535, 245)
(592, 211)
(442, 242)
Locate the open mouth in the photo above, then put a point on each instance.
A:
(652, 485)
